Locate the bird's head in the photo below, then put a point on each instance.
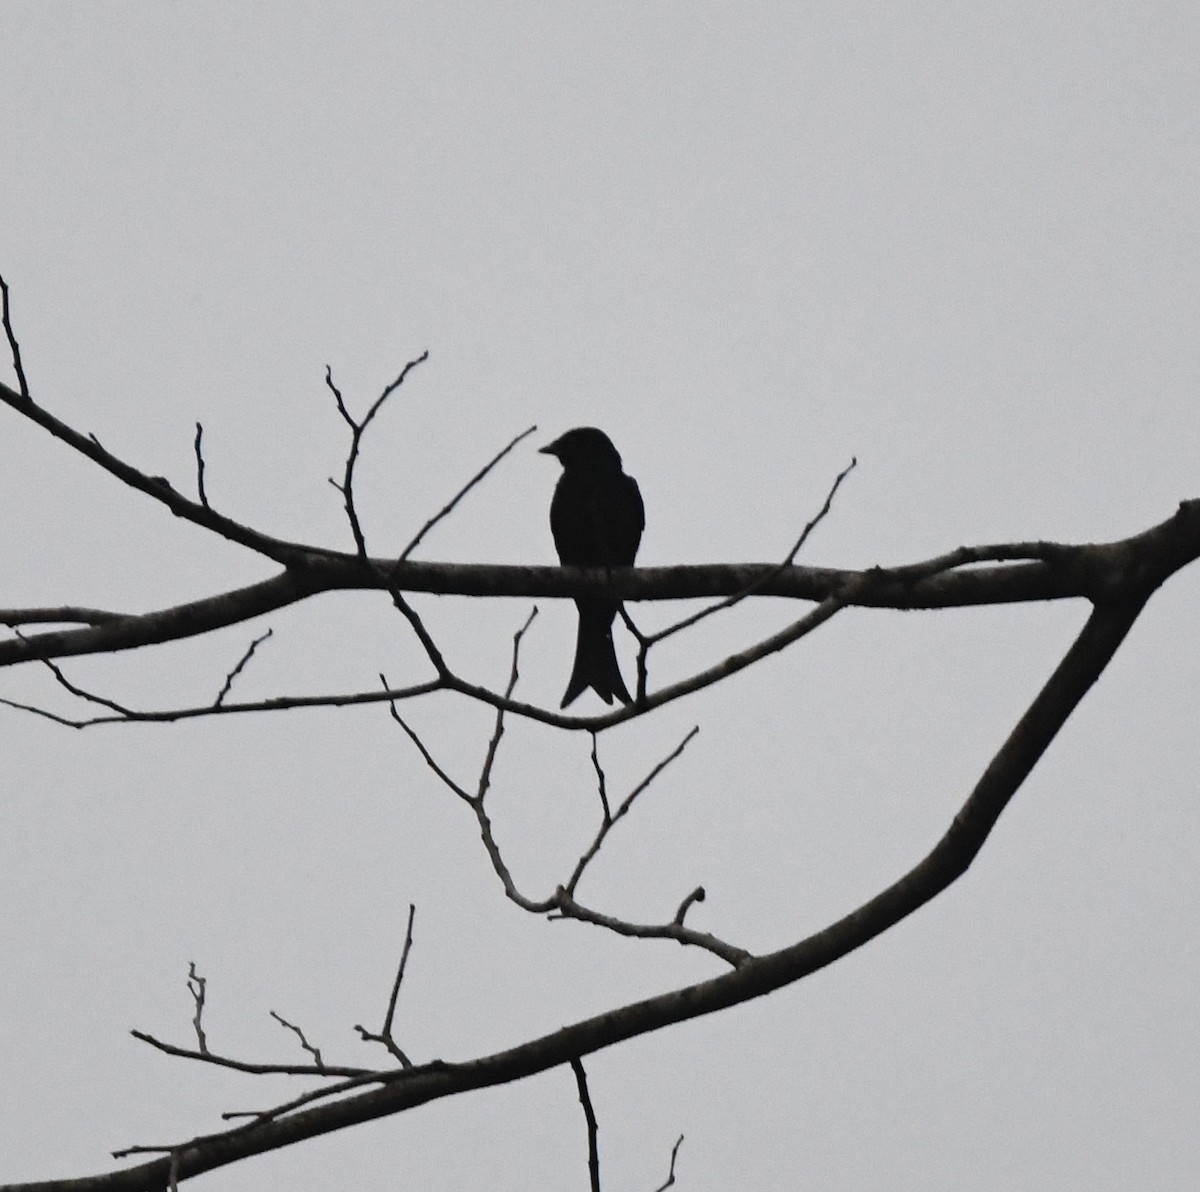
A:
(584, 447)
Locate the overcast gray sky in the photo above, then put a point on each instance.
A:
(750, 241)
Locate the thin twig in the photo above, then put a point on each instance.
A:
(197, 447)
(197, 986)
(589, 1116)
(75, 690)
(279, 703)
(514, 673)
(697, 895)
(601, 781)
(609, 821)
(14, 348)
(260, 1117)
(357, 430)
(237, 670)
(315, 1052)
(762, 580)
(447, 509)
(647, 641)
(65, 721)
(671, 1173)
(423, 635)
(476, 801)
(385, 1036)
(429, 759)
(337, 397)
(253, 1069)
(567, 908)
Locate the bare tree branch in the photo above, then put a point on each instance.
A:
(315, 1052)
(609, 819)
(1028, 572)
(385, 1036)
(254, 1069)
(198, 449)
(227, 686)
(735, 957)
(589, 1117)
(64, 614)
(1117, 578)
(670, 1180)
(357, 430)
(14, 348)
(1062, 572)
(198, 987)
(761, 582)
(154, 486)
(1101, 636)
(449, 507)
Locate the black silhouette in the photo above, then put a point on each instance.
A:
(596, 518)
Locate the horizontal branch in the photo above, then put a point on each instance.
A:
(968, 576)
(224, 1061)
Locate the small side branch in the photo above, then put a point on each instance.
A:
(198, 987)
(357, 430)
(315, 1052)
(208, 1056)
(671, 1174)
(589, 1116)
(567, 908)
(386, 1036)
(447, 509)
(14, 348)
(759, 582)
(609, 819)
(198, 448)
(476, 800)
(227, 686)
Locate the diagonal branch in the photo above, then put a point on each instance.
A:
(1083, 663)
(449, 507)
(760, 581)
(609, 818)
(153, 486)
(242, 663)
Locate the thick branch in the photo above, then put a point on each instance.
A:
(954, 580)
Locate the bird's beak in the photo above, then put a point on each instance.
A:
(549, 449)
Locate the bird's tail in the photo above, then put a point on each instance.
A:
(595, 659)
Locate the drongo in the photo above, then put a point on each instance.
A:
(596, 518)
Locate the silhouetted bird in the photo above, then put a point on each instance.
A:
(596, 518)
